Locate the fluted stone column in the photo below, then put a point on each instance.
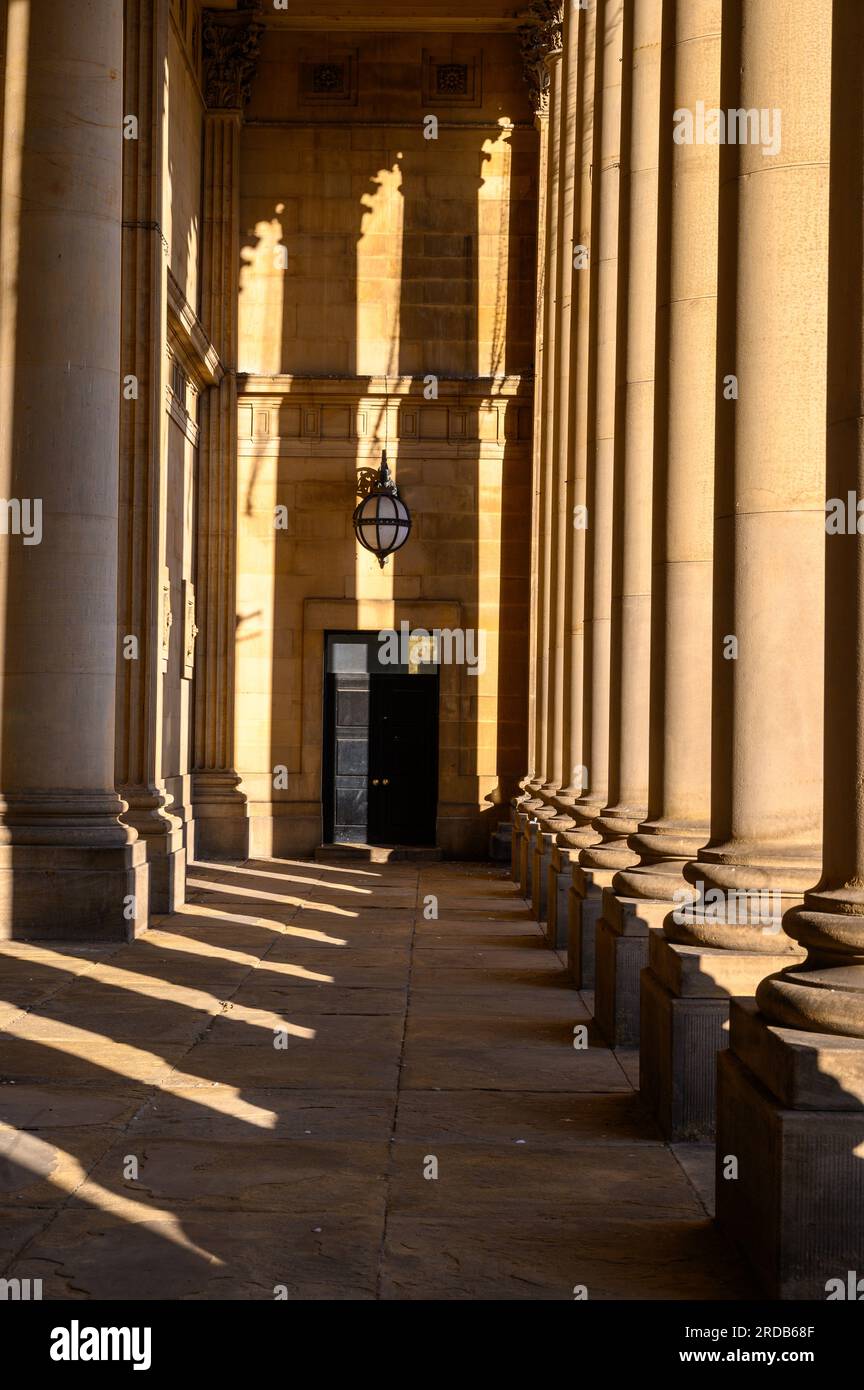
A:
(622, 930)
(68, 867)
(671, 1024)
(540, 37)
(569, 839)
(231, 45)
(542, 839)
(795, 1070)
(563, 62)
(537, 78)
(769, 535)
(603, 420)
(143, 480)
(683, 539)
(558, 871)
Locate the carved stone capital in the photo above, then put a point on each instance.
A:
(541, 39)
(231, 45)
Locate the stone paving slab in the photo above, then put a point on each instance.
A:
(87, 1254)
(513, 1260)
(548, 1118)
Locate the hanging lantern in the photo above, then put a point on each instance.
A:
(382, 522)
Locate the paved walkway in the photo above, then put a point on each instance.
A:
(156, 1144)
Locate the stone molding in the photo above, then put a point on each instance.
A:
(347, 412)
(189, 342)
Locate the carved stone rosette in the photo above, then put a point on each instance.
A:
(541, 37)
(231, 44)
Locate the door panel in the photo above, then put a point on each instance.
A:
(403, 791)
(350, 758)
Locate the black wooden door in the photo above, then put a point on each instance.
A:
(403, 759)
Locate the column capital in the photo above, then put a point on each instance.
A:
(541, 39)
(231, 43)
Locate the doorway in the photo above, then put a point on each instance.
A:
(381, 745)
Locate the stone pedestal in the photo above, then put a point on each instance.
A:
(585, 907)
(516, 845)
(526, 857)
(501, 843)
(168, 874)
(685, 996)
(73, 893)
(790, 1111)
(544, 844)
(559, 881)
(621, 952)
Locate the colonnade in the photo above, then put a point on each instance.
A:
(691, 826)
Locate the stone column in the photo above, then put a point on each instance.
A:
(563, 65)
(540, 839)
(68, 867)
(569, 839)
(622, 931)
(683, 540)
(604, 378)
(796, 1070)
(682, 569)
(569, 541)
(769, 537)
(142, 612)
(231, 45)
(540, 36)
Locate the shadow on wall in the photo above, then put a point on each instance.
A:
(433, 290)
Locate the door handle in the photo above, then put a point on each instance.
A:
(374, 781)
(385, 781)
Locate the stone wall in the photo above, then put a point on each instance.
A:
(373, 258)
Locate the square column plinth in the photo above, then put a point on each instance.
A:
(526, 857)
(623, 931)
(790, 1112)
(558, 884)
(65, 893)
(685, 997)
(544, 843)
(519, 818)
(584, 908)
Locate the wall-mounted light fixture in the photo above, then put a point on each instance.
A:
(382, 522)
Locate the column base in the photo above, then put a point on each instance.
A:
(544, 843)
(558, 883)
(221, 817)
(623, 932)
(685, 997)
(584, 908)
(790, 1110)
(72, 893)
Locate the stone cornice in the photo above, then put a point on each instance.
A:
(541, 39)
(231, 42)
(189, 340)
(394, 387)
